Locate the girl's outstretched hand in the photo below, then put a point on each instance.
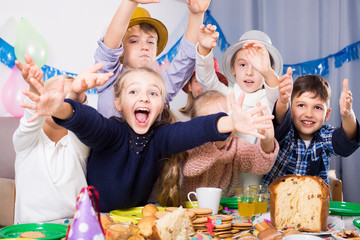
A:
(89, 78)
(248, 122)
(48, 102)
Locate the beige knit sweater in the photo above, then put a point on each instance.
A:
(208, 166)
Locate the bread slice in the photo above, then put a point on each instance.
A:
(171, 225)
(300, 202)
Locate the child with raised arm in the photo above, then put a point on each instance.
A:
(306, 143)
(134, 39)
(50, 162)
(219, 164)
(252, 64)
(127, 154)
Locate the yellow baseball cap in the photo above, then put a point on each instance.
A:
(141, 15)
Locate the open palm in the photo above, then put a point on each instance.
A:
(48, 102)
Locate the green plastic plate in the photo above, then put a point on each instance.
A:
(52, 231)
(230, 202)
(344, 208)
(133, 214)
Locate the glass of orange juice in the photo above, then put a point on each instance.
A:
(245, 199)
(262, 197)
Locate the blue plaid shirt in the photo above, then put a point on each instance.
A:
(295, 158)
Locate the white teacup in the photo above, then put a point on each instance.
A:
(207, 198)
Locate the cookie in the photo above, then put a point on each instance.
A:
(222, 218)
(232, 231)
(201, 225)
(160, 214)
(203, 229)
(191, 215)
(242, 224)
(171, 209)
(200, 211)
(223, 226)
(226, 235)
(149, 210)
(200, 220)
(32, 234)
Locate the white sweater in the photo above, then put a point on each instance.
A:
(48, 177)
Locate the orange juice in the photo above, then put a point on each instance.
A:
(260, 207)
(246, 209)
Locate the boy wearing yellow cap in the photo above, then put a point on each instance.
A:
(134, 39)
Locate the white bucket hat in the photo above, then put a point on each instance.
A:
(252, 35)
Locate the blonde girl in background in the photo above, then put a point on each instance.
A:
(219, 164)
(127, 153)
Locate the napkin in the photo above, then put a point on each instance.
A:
(86, 223)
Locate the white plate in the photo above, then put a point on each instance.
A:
(301, 237)
(340, 238)
(334, 224)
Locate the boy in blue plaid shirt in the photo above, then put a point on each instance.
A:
(306, 143)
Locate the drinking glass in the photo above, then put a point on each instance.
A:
(245, 198)
(262, 197)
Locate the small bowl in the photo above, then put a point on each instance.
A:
(301, 237)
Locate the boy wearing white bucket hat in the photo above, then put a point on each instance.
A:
(134, 39)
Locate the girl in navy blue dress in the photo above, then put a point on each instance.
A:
(127, 153)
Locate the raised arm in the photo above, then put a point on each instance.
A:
(205, 71)
(285, 89)
(259, 58)
(244, 122)
(120, 21)
(348, 116)
(197, 9)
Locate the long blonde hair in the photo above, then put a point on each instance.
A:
(185, 110)
(168, 189)
(168, 183)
